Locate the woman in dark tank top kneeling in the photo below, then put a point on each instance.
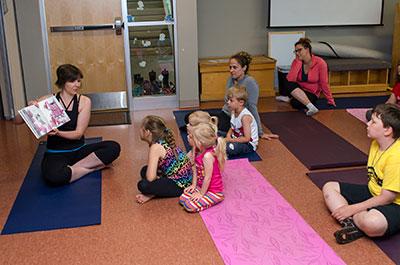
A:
(67, 157)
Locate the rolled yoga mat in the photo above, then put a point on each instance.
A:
(391, 245)
(40, 207)
(180, 121)
(256, 225)
(314, 144)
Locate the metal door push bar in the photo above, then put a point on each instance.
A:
(117, 26)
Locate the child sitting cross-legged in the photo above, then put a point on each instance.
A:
(373, 209)
(168, 169)
(242, 137)
(209, 152)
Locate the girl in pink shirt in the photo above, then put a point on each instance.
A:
(307, 78)
(210, 155)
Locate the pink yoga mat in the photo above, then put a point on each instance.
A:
(359, 114)
(256, 225)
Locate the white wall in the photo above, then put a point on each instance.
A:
(227, 26)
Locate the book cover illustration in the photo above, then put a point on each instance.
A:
(48, 115)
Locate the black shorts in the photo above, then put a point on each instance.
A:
(355, 193)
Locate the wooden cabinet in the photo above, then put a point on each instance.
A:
(214, 73)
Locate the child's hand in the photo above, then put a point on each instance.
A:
(190, 189)
(196, 196)
(343, 212)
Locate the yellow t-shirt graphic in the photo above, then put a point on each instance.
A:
(384, 169)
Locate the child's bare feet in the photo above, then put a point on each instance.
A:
(141, 198)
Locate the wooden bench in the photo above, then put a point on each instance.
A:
(358, 75)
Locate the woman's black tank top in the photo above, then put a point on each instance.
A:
(55, 142)
(304, 76)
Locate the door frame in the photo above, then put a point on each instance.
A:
(45, 41)
(149, 102)
(6, 95)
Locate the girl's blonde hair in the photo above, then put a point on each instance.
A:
(159, 131)
(199, 116)
(205, 134)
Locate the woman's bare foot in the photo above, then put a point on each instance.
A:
(141, 198)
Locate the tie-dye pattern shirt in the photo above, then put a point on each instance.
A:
(178, 168)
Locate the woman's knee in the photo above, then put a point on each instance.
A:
(115, 148)
(109, 152)
(58, 177)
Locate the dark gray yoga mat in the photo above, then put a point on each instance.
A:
(314, 144)
(391, 246)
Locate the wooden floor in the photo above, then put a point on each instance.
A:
(160, 232)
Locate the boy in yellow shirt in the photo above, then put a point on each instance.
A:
(373, 209)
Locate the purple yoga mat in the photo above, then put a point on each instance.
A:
(314, 144)
(391, 246)
(256, 225)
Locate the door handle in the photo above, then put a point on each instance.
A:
(117, 26)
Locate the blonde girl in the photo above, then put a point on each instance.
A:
(210, 155)
(168, 171)
(195, 118)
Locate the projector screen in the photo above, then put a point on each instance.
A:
(307, 13)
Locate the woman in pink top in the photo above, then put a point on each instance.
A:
(307, 78)
(210, 155)
(394, 96)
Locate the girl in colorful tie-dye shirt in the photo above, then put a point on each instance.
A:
(168, 171)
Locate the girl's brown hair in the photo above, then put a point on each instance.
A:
(159, 131)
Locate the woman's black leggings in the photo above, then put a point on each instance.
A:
(161, 187)
(290, 86)
(55, 166)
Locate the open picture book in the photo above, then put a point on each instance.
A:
(48, 115)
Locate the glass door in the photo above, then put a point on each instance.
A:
(150, 49)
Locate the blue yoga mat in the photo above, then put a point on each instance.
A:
(352, 102)
(180, 121)
(40, 207)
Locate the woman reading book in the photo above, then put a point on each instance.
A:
(67, 157)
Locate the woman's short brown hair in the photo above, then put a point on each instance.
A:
(67, 73)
